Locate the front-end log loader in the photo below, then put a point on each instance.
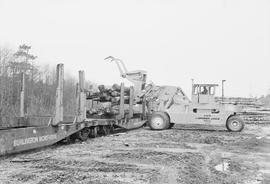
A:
(169, 105)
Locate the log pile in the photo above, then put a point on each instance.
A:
(105, 102)
(240, 101)
(108, 94)
(257, 116)
(253, 110)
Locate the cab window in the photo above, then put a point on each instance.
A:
(212, 90)
(204, 90)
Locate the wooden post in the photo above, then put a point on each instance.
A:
(59, 95)
(77, 99)
(122, 101)
(22, 95)
(82, 98)
(223, 90)
(131, 101)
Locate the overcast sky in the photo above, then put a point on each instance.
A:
(173, 40)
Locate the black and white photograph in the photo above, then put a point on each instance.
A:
(134, 91)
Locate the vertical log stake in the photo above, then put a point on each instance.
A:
(122, 101)
(131, 101)
(22, 95)
(82, 98)
(77, 99)
(59, 95)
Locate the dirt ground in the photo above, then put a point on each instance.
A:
(185, 155)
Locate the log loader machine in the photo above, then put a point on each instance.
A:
(169, 105)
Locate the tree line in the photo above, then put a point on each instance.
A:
(40, 84)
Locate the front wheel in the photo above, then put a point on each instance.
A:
(159, 121)
(235, 124)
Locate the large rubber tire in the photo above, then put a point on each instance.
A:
(159, 121)
(235, 124)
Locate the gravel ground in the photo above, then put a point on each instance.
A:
(198, 155)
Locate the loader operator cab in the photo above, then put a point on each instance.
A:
(203, 93)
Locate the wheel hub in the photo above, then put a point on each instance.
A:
(158, 121)
(235, 123)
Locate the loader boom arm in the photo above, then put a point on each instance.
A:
(137, 77)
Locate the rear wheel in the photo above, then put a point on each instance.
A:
(159, 121)
(235, 124)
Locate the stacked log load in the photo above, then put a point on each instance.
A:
(105, 101)
(107, 94)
